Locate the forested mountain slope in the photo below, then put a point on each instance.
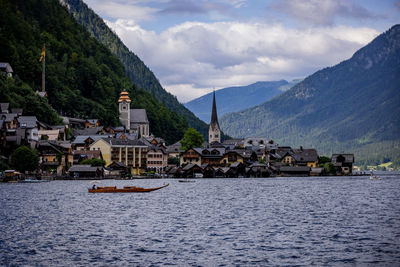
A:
(136, 70)
(351, 107)
(232, 99)
(83, 78)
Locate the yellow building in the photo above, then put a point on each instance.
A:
(105, 149)
(132, 153)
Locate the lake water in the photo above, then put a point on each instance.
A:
(324, 221)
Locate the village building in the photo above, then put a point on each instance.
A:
(344, 162)
(83, 142)
(54, 157)
(174, 150)
(134, 120)
(85, 171)
(30, 124)
(214, 132)
(132, 153)
(6, 69)
(91, 123)
(157, 158)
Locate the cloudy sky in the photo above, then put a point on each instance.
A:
(193, 46)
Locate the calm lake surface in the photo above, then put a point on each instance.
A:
(324, 221)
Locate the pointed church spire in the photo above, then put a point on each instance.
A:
(214, 131)
(214, 116)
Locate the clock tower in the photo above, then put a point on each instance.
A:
(124, 109)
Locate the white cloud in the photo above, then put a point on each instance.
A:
(192, 58)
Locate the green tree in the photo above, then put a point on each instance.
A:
(323, 160)
(192, 138)
(3, 166)
(173, 161)
(24, 159)
(94, 162)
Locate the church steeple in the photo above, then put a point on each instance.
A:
(214, 132)
(124, 109)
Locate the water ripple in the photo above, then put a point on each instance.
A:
(214, 222)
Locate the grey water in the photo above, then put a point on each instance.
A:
(297, 221)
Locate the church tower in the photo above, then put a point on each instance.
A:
(124, 109)
(214, 133)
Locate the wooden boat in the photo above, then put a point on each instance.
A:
(125, 189)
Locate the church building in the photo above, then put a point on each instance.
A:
(214, 132)
(134, 120)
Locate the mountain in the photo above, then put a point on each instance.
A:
(235, 98)
(83, 78)
(351, 107)
(136, 70)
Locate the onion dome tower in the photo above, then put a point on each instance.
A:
(214, 132)
(124, 109)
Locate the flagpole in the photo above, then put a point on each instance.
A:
(44, 70)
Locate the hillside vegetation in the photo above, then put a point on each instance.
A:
(83, 78)
(351, 107)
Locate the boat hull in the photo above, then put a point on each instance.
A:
(126, 189)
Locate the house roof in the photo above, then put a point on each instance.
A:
(305, 155)
(190, 166)
(348, 158)
(83, 168)
(92, 121)
(88, 131)
(80, 139)
(174, 148)
(123, 142)
(8, 117)
(118, 163)
(7, 66)
(156, 149)
(52, 134)
(28, 122)
(17, 111)
(138, 116)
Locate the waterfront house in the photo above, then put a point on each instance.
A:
(118, 169)
(294, 171)
(344, 162)
(211, 156)
(230, 157)
(54, 156)
(305, 157)
(191, 156)
(85, 172)
(192, 170)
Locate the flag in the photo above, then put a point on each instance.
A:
(43, 53)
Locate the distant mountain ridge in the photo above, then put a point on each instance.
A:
(351, 107)
(237, 98)
(136, 70)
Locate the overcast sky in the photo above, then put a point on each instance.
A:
(193, 46)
